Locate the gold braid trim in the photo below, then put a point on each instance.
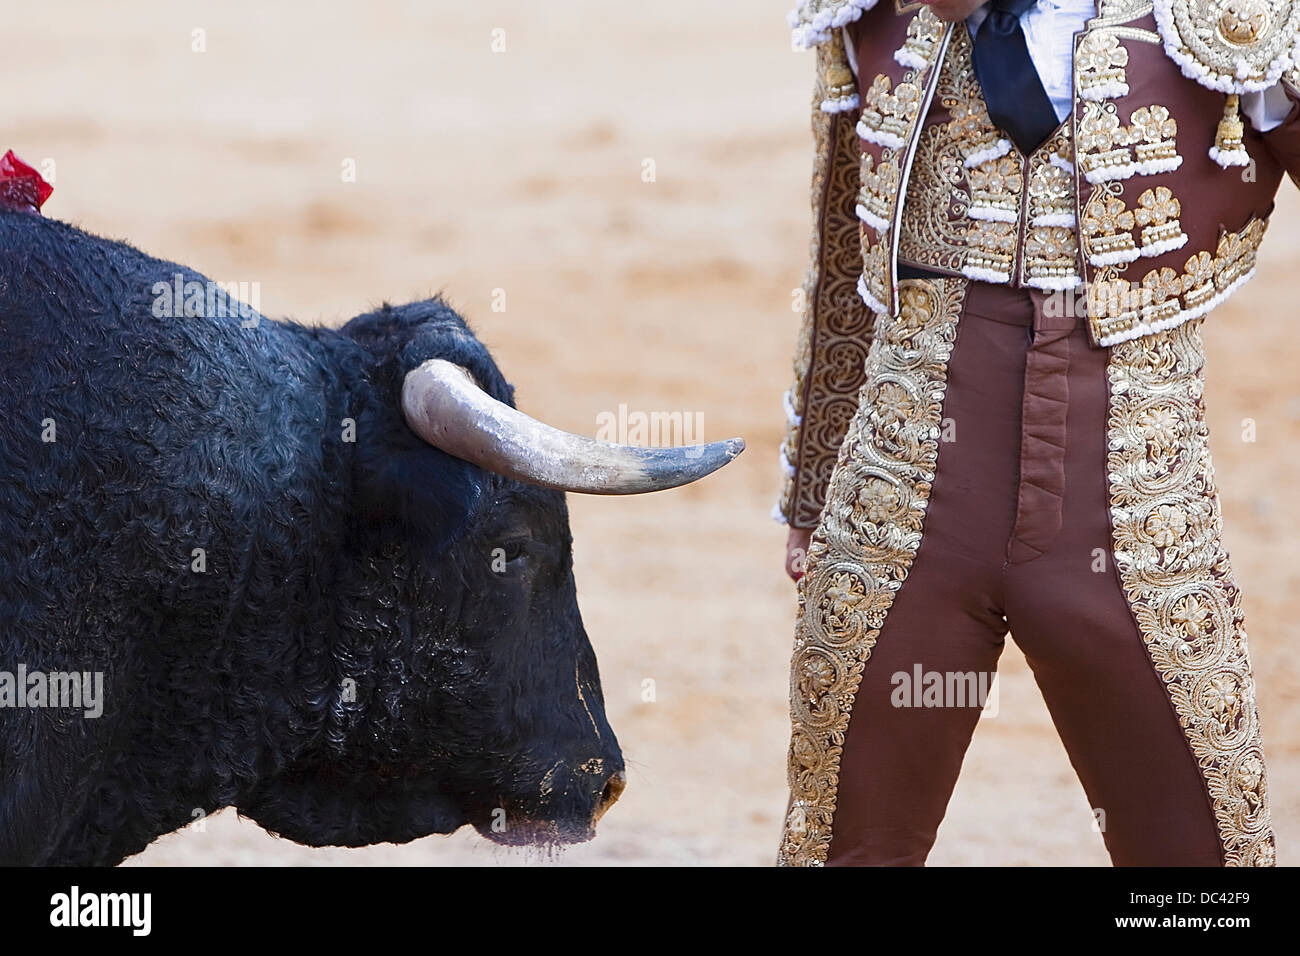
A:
(864, 546)
(1167, 528)
(835, 335)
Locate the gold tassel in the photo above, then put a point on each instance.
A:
(838, 82)
(1229, 149)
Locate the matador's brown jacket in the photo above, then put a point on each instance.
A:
(1145, 207)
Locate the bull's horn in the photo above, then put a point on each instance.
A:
(445, 407)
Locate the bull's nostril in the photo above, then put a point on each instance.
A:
(613, 789)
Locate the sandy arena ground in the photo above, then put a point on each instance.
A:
(523, 171)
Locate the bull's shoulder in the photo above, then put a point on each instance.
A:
(50, 265)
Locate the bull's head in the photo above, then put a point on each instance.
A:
(477, 697)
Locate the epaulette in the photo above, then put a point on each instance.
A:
(814, 21)
(1232, 46)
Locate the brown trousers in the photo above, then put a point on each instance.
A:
(1004, 475)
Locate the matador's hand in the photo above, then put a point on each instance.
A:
(796, 552)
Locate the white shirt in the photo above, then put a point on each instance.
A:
(1049, 27)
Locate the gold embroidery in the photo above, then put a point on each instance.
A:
(934, 225)
(1103, 143)
(1051, 255)
(992, 251)
(864, 546)
(1100, 62)
(923, 35)
(873, 286)
(888, 111)
(1051, 183)
(1120, 309)
(959, 91)
(952, 201)
(879, 189)
(890, 121)
(1157, 213)
(1107, 227)
(1153, 132)
(1167, 528)
(1104, 152)
(835, 333)
(995, 189)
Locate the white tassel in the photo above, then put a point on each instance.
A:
(874, 304)
(1162, 246)
(1115, 258)
(818, 29)
(906, 57)
(787, 467)
(1229, 157)
(791, 416)
(872, 220)
(991, 214)
(1060, 162)
(996, 151)
(841, 105)
(1065, 219)
(1108, 90)
(1055, 283)
(879, 137)
(987, 275)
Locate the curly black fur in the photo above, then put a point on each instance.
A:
(350, 667)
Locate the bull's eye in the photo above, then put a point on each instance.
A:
(514, 550)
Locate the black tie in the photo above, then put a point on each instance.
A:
(1017, 102)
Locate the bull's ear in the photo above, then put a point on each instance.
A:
(402, 484)
(399, 480)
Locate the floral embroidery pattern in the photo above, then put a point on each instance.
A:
(1167, 528)
(1157, 213)
(864, 546)
(1100, 62)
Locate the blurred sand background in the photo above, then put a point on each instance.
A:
(522, 170)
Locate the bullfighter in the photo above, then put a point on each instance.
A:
(1023, 212)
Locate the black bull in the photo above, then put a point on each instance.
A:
(292, 603)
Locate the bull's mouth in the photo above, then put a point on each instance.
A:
(534, 829)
